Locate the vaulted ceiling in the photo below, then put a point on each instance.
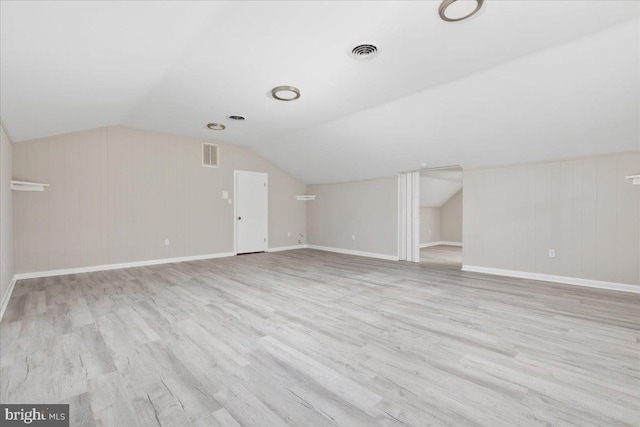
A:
(436, 190)
(520, 81)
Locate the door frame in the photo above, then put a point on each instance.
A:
(409, 212)
(235, 208)
(409, 216)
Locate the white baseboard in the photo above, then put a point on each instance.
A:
(105, 267)
(5, 300)
(286, 248)
(351, 252)
(428, 245)
(441, 243)
(555, 279)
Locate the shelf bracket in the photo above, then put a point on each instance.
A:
(27, 186)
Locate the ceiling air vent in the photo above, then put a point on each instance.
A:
(364, 51)
(209, 155)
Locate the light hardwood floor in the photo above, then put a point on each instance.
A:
(442, 255)
(309, 338)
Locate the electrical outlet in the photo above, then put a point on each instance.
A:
(552, 253)
(353, 237)
(288, 234)
(166, 242)
(225, 195)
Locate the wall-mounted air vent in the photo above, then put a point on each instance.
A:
(210, 158)
(364, 51)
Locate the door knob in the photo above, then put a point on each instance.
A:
(239, 218)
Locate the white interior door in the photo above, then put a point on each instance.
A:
(251, 195)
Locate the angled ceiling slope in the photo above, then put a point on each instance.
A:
(520, 81)
(435, 192)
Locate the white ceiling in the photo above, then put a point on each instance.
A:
(453, 173)
(521, 81)
(434, 192)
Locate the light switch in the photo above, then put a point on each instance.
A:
(225, 195)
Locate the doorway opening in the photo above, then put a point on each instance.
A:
(251, 207)
(441, 217)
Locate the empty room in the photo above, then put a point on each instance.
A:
(320, 213)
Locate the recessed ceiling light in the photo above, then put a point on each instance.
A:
(236, 118)
(216, 126)
(285, 93)
(458, 10)
(364, 51)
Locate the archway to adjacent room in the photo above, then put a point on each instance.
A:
(440, 217)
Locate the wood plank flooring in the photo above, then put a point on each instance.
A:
(442, 256)
(309, 338)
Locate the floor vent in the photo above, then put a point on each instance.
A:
(209, 155)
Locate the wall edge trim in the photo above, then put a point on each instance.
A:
(575, 281)
(440, 243)
(286, 248)
(5, 300)
(352, 252)
(105, 267)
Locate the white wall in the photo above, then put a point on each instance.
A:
(367, 209)
(6, 216)
(117, 193)
(434, 191)
(451, 219)
(429, 225)
(584, 208)
(444, 222)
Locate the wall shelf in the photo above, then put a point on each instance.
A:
(635, 179)
(27, 186)
(305, 197)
